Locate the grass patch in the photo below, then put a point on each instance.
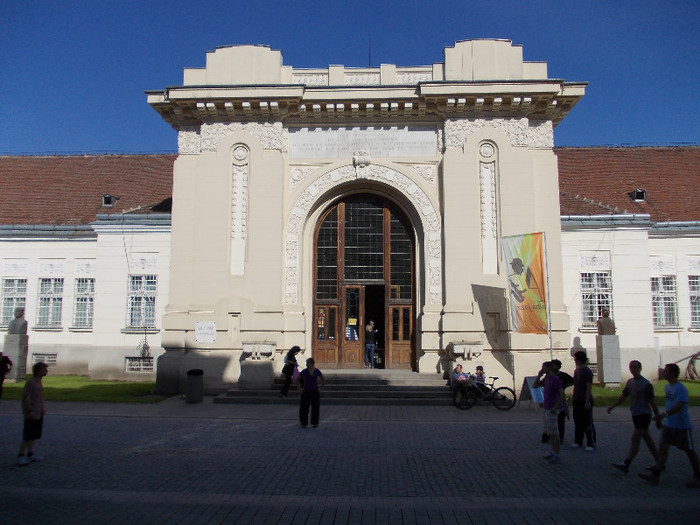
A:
(607, 396)
(80, 388)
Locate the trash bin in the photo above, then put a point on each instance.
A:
(195, 385)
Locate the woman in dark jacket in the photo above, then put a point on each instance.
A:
(290, 362)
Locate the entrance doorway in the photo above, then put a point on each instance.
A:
(363, 270)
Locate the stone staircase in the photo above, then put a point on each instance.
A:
(357, 387)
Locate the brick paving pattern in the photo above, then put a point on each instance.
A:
(252, 464)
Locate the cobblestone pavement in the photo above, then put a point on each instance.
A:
(179, 463)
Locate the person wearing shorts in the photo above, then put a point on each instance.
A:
(33, 412)
(677, 428)
(642, 404)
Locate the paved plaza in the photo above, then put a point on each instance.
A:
(180, 463)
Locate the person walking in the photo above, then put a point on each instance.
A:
(33, 412)
(311, 393)
(677, 428)
(642, 404)
(5, 367)
(553, 394)
(582, 401)
(290, 364)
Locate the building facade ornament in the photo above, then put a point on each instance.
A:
(520, 132)
(239, 208)
(272, 135)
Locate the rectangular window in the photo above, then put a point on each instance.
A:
(663, 301)
(14, 295)
(596, 294)
(84, 302)
(142, 301)
(694, 288)
(50, 305)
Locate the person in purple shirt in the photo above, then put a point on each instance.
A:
(553, 398)
(308, 380)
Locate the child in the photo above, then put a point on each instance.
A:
(311, 393)
(33, 412)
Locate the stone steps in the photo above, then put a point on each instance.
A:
(370, 387)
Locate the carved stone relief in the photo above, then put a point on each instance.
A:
(430, 219)
(272, 135)
(520, 132)
(189, 141)
(239, 208)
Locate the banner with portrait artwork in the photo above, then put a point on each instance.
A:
(524, 257)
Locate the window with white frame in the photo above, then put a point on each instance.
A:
(14, 295)
(596, 294)
(664, 302)
(84, 307)
(50, 304)
(694, 289)
(142, 301)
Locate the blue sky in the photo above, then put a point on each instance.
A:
(73, 73)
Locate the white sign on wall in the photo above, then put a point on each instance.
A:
(205, 332)
(378, 141)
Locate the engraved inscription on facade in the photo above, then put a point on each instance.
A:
(379, 141)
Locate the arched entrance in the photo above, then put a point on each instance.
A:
(363, 269)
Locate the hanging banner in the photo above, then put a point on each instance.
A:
(525, 260)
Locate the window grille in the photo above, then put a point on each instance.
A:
(694, 288)
(663, 301)
(84, 302)
(142, 301)
(48, 359)
(14, 295)
(50, 306)
(139, 364)
(596, 294)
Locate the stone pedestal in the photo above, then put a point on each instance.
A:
(15, 348)
(608, 354)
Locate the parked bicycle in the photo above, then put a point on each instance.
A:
(466, 396)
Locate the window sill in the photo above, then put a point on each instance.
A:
(670, 329)
(47, 329)
(139, 330)
(79, 329)
(694, 329)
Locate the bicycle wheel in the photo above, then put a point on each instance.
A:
(503, 398)
(464, 398)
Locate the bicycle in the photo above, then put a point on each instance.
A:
(466, 396)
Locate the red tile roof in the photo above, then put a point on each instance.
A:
(58, 190)
(68, 190)
(597, 181)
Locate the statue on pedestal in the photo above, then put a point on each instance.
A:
(606, 326)
(19, 324)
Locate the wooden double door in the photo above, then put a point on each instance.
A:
(363, 271)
